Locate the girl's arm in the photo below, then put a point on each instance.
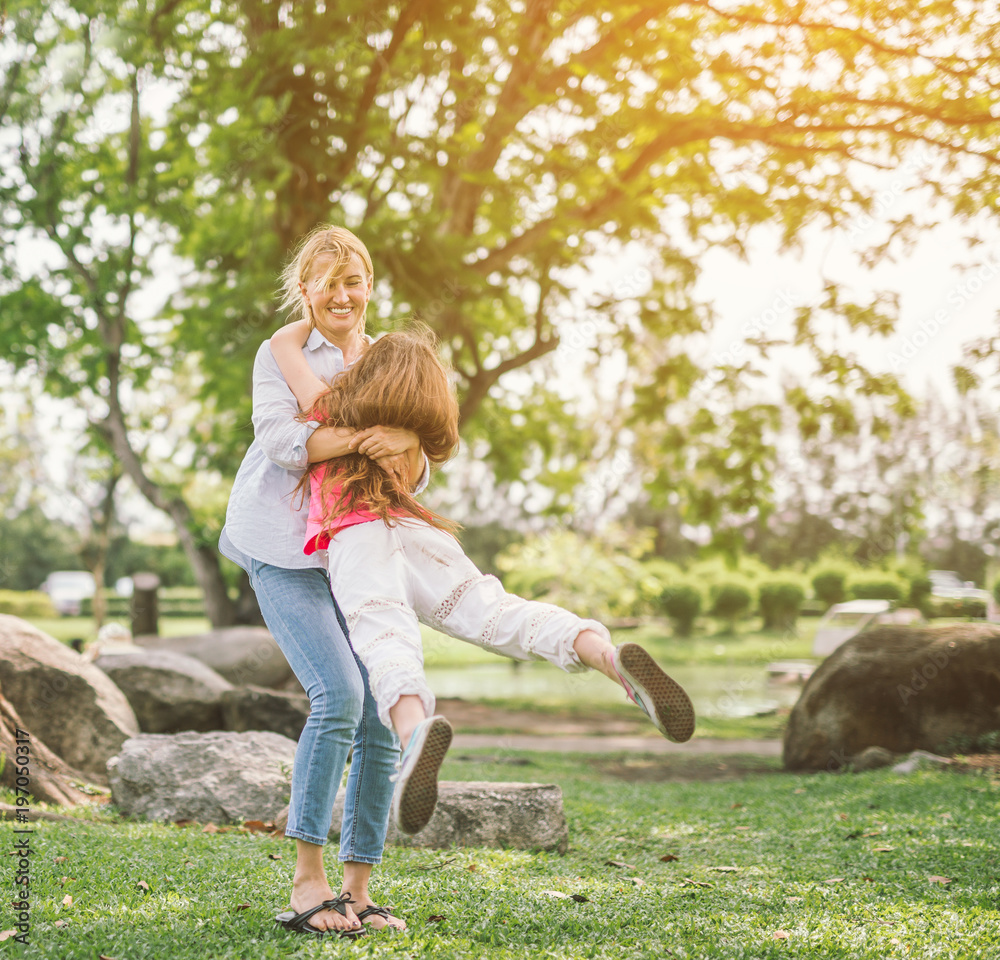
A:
(286, 347)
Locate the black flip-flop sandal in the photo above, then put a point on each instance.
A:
(376, 911)
(299, 922)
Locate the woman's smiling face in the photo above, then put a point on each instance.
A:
(337, 303)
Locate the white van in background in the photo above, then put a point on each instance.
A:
(68, 589)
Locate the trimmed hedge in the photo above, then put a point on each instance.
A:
(730, 601)
(779, 602)
(682, 603)
(876, 589)
(830, 586)
(26, 604)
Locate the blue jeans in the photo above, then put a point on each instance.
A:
(307, 625)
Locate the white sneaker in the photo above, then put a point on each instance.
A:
(661, 698)
(416, 781)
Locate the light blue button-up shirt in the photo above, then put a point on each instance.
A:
(265, 520)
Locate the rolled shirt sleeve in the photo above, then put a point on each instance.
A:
(281, 436)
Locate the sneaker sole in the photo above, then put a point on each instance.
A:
(663, 696)
(420, 793)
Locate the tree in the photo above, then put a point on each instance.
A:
(85, 189)
(490, 154)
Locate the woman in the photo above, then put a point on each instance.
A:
(328, 283)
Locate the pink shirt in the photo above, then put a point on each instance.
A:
(316, 538)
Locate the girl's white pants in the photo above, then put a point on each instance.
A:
(386, 579)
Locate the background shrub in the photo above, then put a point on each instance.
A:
(26, 604)
(730, 601)
(876, 587)
(919, 594)
(830, 586)
(682, 603)
(779, 602)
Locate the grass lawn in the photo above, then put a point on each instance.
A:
(749, 646)
(66, 628)
(663, 862)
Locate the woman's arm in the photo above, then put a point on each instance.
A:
(286, 347)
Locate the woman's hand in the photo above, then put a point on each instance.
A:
(396, 465)
(378, 442)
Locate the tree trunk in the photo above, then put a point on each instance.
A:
(48, 777)
(95, 552)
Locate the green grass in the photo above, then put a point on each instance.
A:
(764, 727)
(66, 628)
(763, 855)
(749, 646)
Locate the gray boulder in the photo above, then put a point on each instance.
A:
(243, 655)
(65, 701)
(900, 688)
(215, 777)
(921, 760)
(257, 708)
(525, 816)
(169, 692)
(872, 758)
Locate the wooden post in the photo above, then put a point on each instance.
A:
(145, 612)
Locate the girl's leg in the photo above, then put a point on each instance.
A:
(453, 596)
(386, 636)
(372, 580)
(301, 616)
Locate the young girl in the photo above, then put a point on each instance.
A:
(394, 564)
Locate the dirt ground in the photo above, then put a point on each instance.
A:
(470, 717)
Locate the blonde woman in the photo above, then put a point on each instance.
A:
(327, 284)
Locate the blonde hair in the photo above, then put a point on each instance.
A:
(337, 243)
(399, 381)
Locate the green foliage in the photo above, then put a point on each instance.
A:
(962, 607)
(681, 602)
(876, 586)
(919, 593)
(962, 743)
(167, 561)
(730, 601)
(32, 546)
(591, 576)
(485, 542)
(26, 604)
(829, 586)
(779, 601)
(486, 153)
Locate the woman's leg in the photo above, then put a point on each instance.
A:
(367, 798)
(300, 613)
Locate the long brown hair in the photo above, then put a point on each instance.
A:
(399, 381)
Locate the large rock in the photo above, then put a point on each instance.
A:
(257, 708)
(526, 816)
(243, 655)
(169, 692)
(900, 688)
(66, 702)
(209, 777)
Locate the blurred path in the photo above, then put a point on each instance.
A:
(520, 741)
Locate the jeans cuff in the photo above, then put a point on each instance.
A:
(351, 858)
(299, 835)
